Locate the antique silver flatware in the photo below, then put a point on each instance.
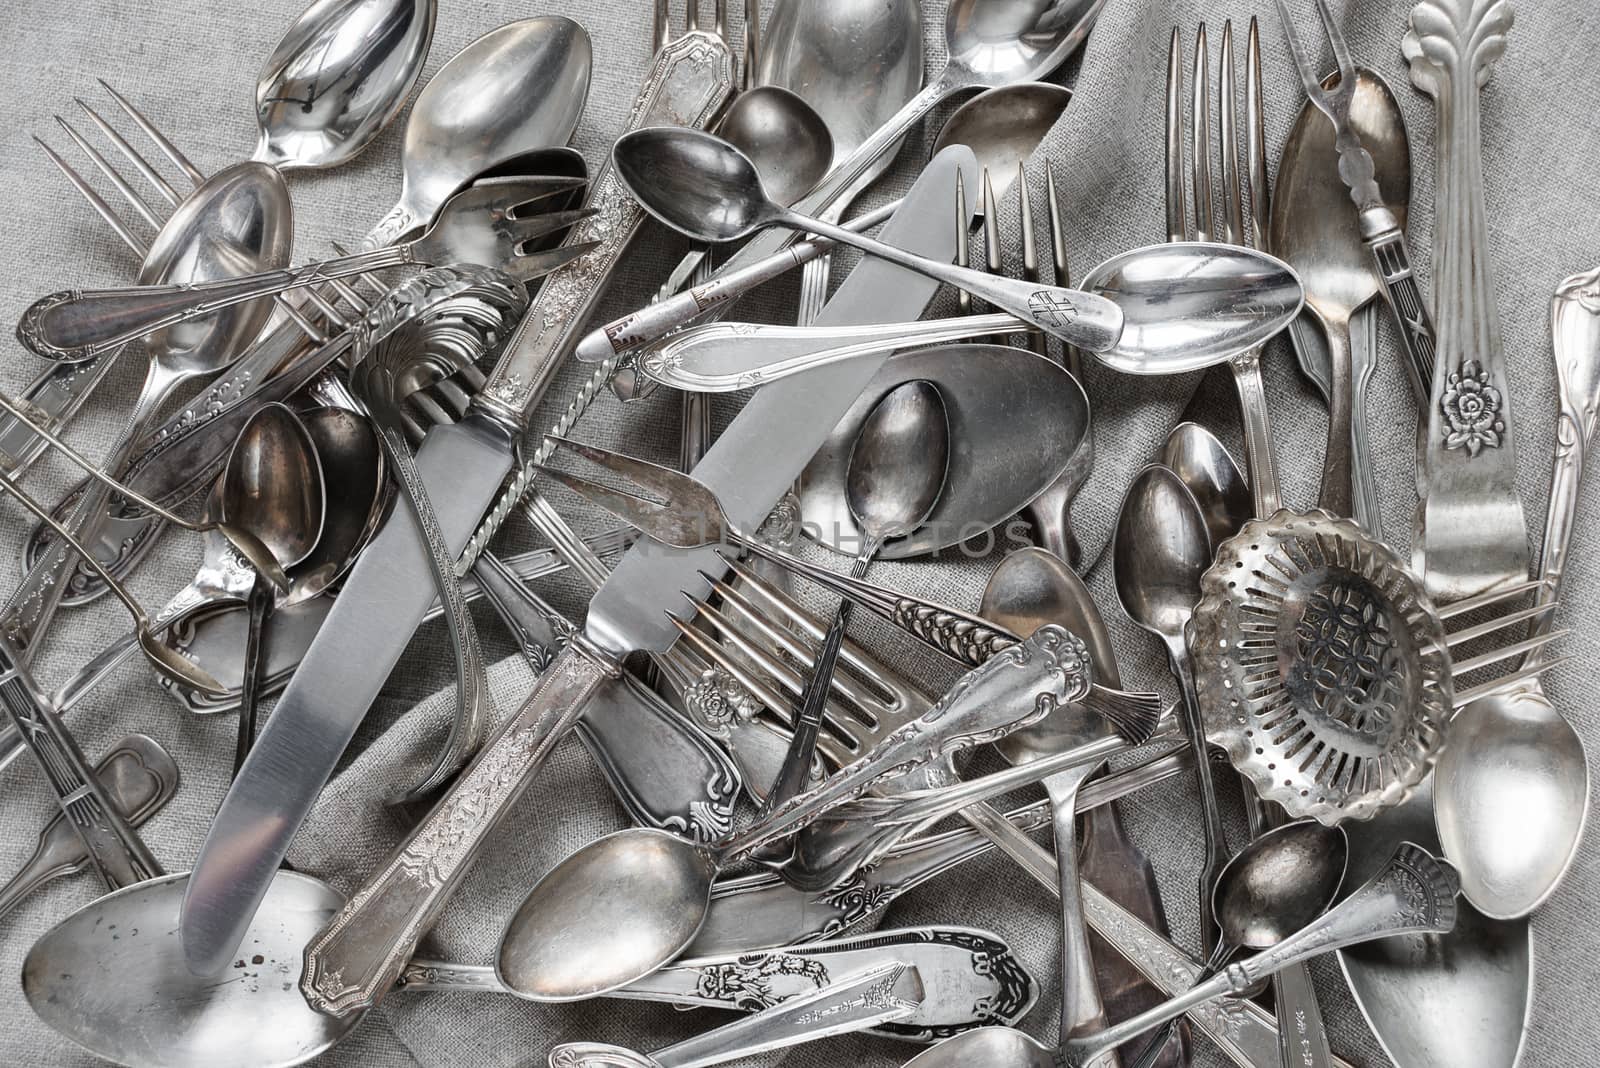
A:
(238, 858)
(1511, 791)
(340, 75)
(1413, 893)
(138, 777)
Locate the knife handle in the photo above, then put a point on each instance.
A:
(687, 85)
(353, 961)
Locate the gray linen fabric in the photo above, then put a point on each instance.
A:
(190, 65)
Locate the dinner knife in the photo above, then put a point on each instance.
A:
(391, 585)
(356, 959)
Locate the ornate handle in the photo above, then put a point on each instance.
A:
(1336, 494)
(353, 961)
(76, 325)
(796, 769)
(687, 85)
(1575, 329)
(111, 844)
(1404, 296)
(1258, 448)
(139, 777)
(1364, 363)
(51, 399)
(654, 321)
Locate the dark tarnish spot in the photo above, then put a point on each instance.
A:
(239, 963)
(258, 959)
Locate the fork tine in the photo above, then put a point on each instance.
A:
(168, 149)
(643, 513)
(95, 201)
(1030, 250)
(752, 42)
(1256, 138)
(546, 223)
(1482, 630)
(1228, 143)
(518, 191)
(1177, 210)
(1483, 600)
(525, 267)
(718, 657)
(963, 244)
(149, 173)
(1200, 123)
(1341, 51)
(719, 20)
(1058, 255)
(661, 31)
(1506, 682)
(1308, 79)
(1509, 652)
(692, 16)
(135, 201)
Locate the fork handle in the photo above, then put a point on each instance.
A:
(1404, 296)
(691, 79)
(76, 325)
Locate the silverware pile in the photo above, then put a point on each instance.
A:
(1411, 794)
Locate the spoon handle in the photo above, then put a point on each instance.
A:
(1575, 329)
(690, 80)
(1259, 452)
(1413, 894)
(1091, 322)
(353, 961)
(76, 325)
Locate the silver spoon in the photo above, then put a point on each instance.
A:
(1281, 881)
(339, 76)
(1413, 893)
(856, 62)
(1194, 454)
(1184, 306)
(703, 187)
(1161, 549)
(895, 475)
(1511, 791)
(272, 486)
(1003, 126)
(519, 87)
(572, 939)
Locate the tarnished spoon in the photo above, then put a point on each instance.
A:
(1003, 126)
(272, 486)
(339, 76)
(1194, 454)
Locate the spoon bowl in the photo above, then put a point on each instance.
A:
(1161, 549)
(339, 76)
(237, 222)
(112, 978)
(1279, 883)
(788, 141)
(1003, 126)
(516, 88)
(644, 891)
(1511, 794)
(1202, 463)
(355, 487)
(993, 43)
(897, 467)
(701, 185)
(1189, 305)
(273, 485)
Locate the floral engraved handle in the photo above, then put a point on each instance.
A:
(388, 230)
(691, 79)
(967, 638)
(353, 961)
(1474, 536)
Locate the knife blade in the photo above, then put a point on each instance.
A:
(356, 959)
(391, 586)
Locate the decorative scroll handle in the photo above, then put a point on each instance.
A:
(51, 399)
(353, 961)
(76, 325)
(1575, 329)
(690, 81)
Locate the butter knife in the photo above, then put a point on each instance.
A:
(359, 955)
(461, 466)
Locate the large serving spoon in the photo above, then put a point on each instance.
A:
(1161, 550)
(1003, 126)
(705, 188)
(1282, 880)
(894, 478)
(856, 62)
(339, 76)
(1511, 791)
(272, 486)
(627, 903)
(519, 87)
(1414, 892)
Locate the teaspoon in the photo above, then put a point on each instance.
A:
(703, 187)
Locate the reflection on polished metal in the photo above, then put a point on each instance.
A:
(706, 189)
(519, 87)
(490, 223)
(1413, 893)
(1004, 126)
(339, 76)
(1511, 791)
